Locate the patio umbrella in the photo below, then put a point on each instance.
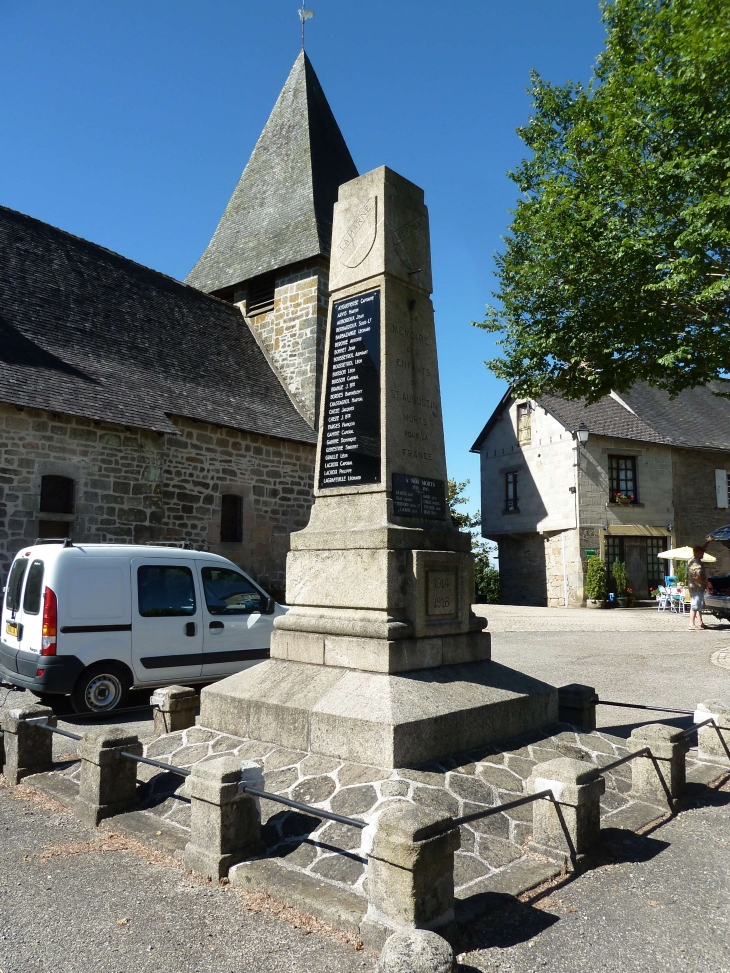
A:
(684, 554)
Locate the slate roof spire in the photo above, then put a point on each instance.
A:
(281, 209)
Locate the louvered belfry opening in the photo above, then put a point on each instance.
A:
(261, 293)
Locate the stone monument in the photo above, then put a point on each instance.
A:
(380, 659)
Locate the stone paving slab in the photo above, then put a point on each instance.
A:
(493, 850)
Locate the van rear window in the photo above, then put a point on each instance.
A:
(33, 589)
(15, 583)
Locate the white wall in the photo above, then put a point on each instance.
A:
(545, 474)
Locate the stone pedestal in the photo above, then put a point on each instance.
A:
(578, 791)
(577, 706)
(710, 745)
(380, 657)
(225, 825)
(410, 873)
(28, 748)
(668, 747)
(174, 708)
(108, 780)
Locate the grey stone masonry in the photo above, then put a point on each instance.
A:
(577, 706)
(225, 823)
(711, 744)
(132, 486)
(416, 951)
(410, 853)
(668, 746)
(108, 780)
(174, 708)
(28, 748)
(577, 791)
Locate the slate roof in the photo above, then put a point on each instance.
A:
(697, 418)
(281, 209)
(87, 332)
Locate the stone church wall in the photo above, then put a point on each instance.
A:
(292, 335)
(134, 486)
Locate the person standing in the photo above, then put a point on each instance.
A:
(697, 583)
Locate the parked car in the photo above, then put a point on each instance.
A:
(96, 620)
(717, 596)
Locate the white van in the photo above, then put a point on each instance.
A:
(96, 620)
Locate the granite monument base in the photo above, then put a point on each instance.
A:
(388, 720)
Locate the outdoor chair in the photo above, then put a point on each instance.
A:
(678, 602)
(663, 598)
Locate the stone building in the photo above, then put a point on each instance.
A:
(653, 474)
(135, 408)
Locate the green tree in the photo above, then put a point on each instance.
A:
(455, 498)
(617, 265)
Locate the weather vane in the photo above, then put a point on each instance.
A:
(304, 16)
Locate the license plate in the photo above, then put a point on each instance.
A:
(12, 628)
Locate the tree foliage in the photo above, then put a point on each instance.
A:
(617, 265)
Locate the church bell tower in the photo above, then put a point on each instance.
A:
(270, 251)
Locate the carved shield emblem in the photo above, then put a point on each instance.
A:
(357, 243)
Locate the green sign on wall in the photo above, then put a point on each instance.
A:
(590, 552)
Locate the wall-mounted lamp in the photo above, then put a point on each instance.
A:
(580, 435)
(670, 528)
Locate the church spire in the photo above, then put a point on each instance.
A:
(281, 210)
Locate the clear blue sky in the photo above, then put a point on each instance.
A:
(129, 123)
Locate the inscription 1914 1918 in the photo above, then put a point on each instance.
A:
(351, 434)
(418, 496)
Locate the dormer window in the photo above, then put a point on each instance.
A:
(524, 432)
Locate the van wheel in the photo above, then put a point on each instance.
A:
(101, 689)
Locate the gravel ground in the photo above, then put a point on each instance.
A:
(636, 655)
(74, 899)
(666, 906)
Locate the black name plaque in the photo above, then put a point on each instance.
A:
(418, 496)
(350, 451)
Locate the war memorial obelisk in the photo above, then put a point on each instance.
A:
(380, 659)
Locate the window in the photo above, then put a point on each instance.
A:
(57, 495)
(523, 423)
(229, 593)
(231, 518)
(15, 583)
(622, 476)
(33, 589)
(164, 591)
(48, 529)
(655, 568)
(261, 293)
(510, 483)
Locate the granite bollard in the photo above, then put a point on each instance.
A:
(577, 706)
(174, 708)
(225, 826)
(668, 746)
(28, 748)
(410, 852)
(108, 780)
(416, 951)
(709, 744)
(577, 790)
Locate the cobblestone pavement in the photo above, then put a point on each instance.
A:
(495, 853)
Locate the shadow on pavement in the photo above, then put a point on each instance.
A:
(506, 922)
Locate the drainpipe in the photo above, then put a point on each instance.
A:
(565, 573)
